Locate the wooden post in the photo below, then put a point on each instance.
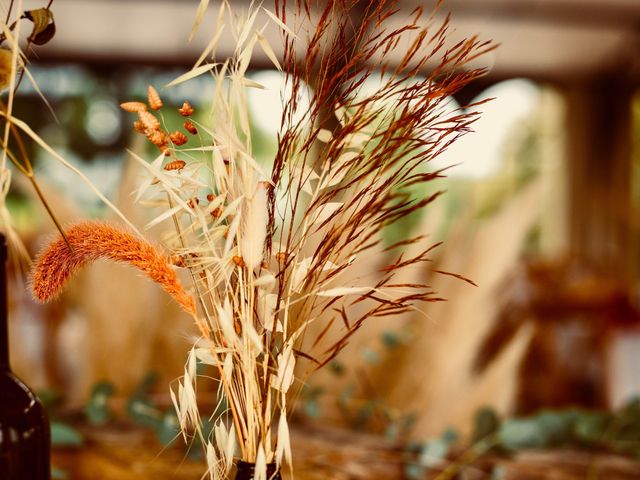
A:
(599, 183)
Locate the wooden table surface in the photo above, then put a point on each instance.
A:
(325, 454)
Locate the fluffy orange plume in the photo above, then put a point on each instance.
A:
(93, 240)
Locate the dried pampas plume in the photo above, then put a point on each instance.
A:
(90, 241)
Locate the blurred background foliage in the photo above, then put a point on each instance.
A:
(540, 211)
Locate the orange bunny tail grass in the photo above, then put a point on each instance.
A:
(56, 264)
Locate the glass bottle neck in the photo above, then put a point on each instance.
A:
(4, 323)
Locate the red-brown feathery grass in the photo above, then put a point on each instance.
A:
(375, 185)
(93, 240)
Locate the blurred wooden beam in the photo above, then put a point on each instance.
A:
(599, 159)
(542, 39)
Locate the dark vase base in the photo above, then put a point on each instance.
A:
(246, 471)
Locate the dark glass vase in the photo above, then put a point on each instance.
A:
(24, 427)
(246, 471)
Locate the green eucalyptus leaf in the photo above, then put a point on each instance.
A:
(169, 429)
(97, 409)
(49, 398)
(498, 472)
(371, 356)
(58, 474)
(434, 451)
(63, 435)
(547, 429)
(590, 428)
(414, 471)
(336, 367)
(392, 431)
(44, 26)
(391, 339)
(144, 413)
(517, 434)
(558, 427)
(486, 423)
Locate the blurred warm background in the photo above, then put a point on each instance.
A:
(541, 212)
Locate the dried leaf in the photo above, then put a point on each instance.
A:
(193, 73)
(268, 51)
(44, 26)
(278, 22)
(202, 9)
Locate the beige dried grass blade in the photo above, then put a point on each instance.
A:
(268, 51)
(200, 13)
(36, 138)
(210, 48)
(278, 22)
(193, 73)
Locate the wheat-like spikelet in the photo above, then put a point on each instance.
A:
(155, 102)
(91, 241)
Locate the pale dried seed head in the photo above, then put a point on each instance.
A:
(186, 110)
(157, 137)
(190, 127)
(175, 165)
(178, 138)
(155, 102)
(149, 120)
(133, 107)
(139, 127)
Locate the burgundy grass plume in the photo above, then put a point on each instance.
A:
(92, 240)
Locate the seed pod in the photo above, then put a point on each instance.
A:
(166, 152)
(175, 165)
(216, 213)
(157, 137)
(281, 256)
(239, 261)
(149, 121)
(178, 138)
(210, 197)
(190, 127)
(193, 202)
(139, 127)
(133, 107)
(155, 102)
(186, 110)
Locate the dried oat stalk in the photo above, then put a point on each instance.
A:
(273, 252)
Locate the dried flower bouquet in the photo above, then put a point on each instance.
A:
(271, 253)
